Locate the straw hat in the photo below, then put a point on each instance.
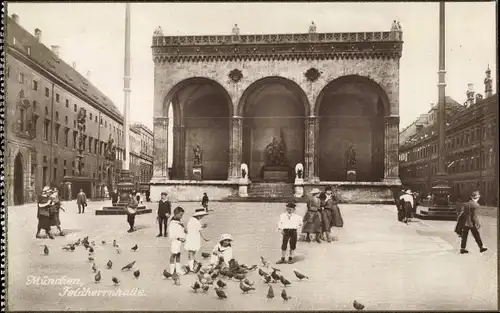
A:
(225, 237)
(200, 212)
(408, 191)
(315, 191)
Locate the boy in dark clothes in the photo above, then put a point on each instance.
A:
(204, 201)
(164, 211)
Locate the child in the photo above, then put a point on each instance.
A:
(194, 233)
(204, 202)
(222, 252)
(288, 224)
(177, 234)
(164, 211)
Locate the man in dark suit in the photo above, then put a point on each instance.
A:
(164, 211)
(468, 220)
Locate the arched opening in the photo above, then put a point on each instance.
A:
(18, 180)
(200, 110)
(351, 111)
(273, 108)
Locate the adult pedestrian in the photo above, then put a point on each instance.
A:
(55, 208)
(114, 197)
(131, 211)
(312, 218)
(406, 206)
(332, 203)
(81, 201)
(468, 220)
(43, 204)
(164, 212)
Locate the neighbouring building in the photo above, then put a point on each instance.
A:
(329, 100)
(47, 101)
(471, 149)
(143, 154)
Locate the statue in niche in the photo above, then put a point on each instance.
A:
(312, 28)
(299, 171)
(197, 152)
(244, 171)
(111, 149)
(351, 157)
(275, 152)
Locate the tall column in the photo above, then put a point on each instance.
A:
(126, 89)
(235, 147)
(160, 162)
(441, 94)
(391, 148)
(311, 157)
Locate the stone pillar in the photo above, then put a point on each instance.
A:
(311, 158)
(391, 149)
(179, 152)
(235, 147)
(160, 168)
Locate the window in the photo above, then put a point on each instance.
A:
(47, 92)
(22, 117)
(57, 97)
(66, 131)
(105, 124)
(95, 146)
(66, 120)
(96, 118)
(55, 173)
(75, 108)
(90, 144)
(90, 115)
(28, 50)
(57, 116)
(20, 77)
(34, 85)
(67, 103)
(75, 133)
(56, 134)
(64, 172)
(74, 123)
(46, 127)
(44, 175)
(34, 125)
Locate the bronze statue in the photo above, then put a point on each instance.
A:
(111, 149)
(275, 153)
(351, 157)
(197, 155)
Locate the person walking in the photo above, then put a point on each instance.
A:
(469, 221)
(131, 211)
(81, 201)
(204, 201)
(406, 204)
(43, 214)
(114, 197)
(55, 208)
(164, 211)
(312, 218)
(194, 236)
(288, 224)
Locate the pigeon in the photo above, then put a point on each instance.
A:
(214, 275)
(300, 275)
(114, 243)
(77, 243)
(267, 279)
(103, 242)
(245, 288)
(91, 259)
(109, 264)
(205, 255)
(86, 245)
(275, 275)
(285, 281)
(94, 267)
(220, 293)
(264, 262)
(166, 274)
(134, 248)
(270, 292)
(115, 280)
(196, 286)
(239, 276)
(176, 278)
(118, 250)
(221, 284)
(46, 250)
(72, 248)
(97, 277)
(285, 296)
(137, 273)
(246, 281)
(91, 250)
(66, 248)
(197, 267)
(358, 306)
(262, 273)
(92, 243)
(128, 266)
(205, 288)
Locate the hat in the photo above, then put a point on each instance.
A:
(322, 196)
(328, 188)
(291, 205)
(315, 191)
(225, 237)
(46, 189)
(475, 195)
(408, 191)
(200, 212)
(163, 193)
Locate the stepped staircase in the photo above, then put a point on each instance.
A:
(439, 213)
(268, 192)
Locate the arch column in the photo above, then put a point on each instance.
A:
(160, 162)
(391, 148)
(311, 155)
(235, 147)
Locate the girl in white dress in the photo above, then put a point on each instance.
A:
(194, 235)
(223, 251)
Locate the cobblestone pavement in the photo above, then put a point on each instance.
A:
(383, 264)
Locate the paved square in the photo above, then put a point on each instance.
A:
(383, 264)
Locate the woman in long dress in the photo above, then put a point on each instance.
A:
(312, 218)
(194, 235)
(337, 220)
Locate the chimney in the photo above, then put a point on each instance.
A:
(470, 94)
(38, 34)
(55, 50)
(488, 84)
(15, 18)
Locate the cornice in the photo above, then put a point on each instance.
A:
(378, 45)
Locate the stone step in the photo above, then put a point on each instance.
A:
(116, 210)
(270, 190)
(438, 216)
(264, 199)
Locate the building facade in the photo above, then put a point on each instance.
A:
(143, 170)
(44, 99)
(471, 150)
(319, 94)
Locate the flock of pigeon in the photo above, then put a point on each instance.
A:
(212, 276)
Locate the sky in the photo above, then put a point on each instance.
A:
(92, 35)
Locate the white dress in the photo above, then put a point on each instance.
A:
(193, 237)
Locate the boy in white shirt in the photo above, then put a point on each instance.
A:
(288, 224)
(194, 235)
(177, 234)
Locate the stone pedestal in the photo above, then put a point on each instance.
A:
(275, 173)
(351, 175)
(197, 173)
(299, 188)
(243, 187)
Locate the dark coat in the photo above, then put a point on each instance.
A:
(336, 216)
(467, 217)
(312, 218)
(164, 208)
